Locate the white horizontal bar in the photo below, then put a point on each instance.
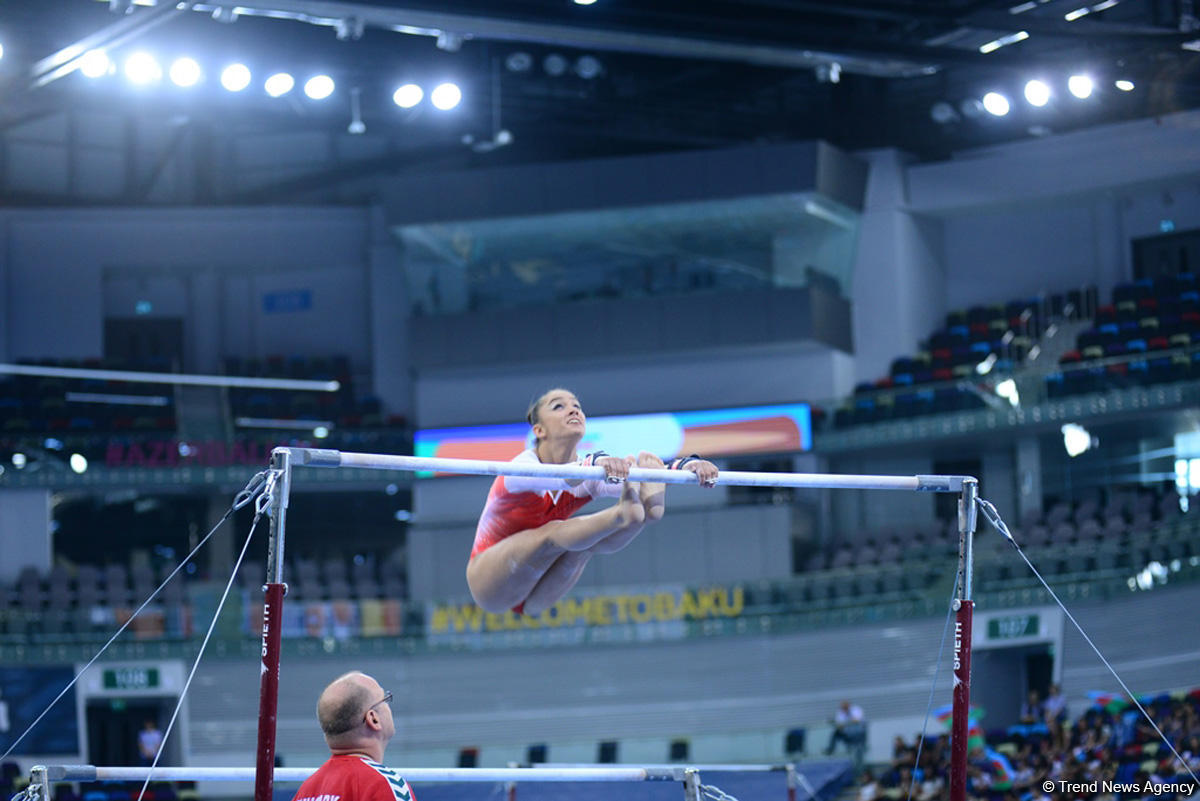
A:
(317, 457)
(126, 400)
(59, 773)
(190, 379)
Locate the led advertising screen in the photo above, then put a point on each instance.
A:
(712, 433)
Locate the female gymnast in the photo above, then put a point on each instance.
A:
(528, 549)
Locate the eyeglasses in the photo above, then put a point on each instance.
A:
(386, 699)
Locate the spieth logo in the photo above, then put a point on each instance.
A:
(267, 622)
(957, 644)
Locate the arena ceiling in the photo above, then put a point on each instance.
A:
(553, 80)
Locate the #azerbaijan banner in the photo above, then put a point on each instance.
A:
(780, 428)
(586, 617)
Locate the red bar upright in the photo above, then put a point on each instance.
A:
(268, 696)
(962, 701)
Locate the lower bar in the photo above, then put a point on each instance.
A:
(87, 773)
(961, 710)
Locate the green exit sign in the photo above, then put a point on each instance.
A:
(1011, 627)
(131, 678)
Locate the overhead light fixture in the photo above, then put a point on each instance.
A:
(445, 96)
(1077, 439)
(279, 84)
(142, 69)
(185, 72)
(1003, 41)
(1037, 93)
(319, 87)
(1124, 85)
(1078, 13)
(972, 108)
(584, 2)
(555, 65)
(1081, 86)
(95, 64)
(19, 460)
(588, 67)
(1007, 389)
(518, 61)
(996, 104)
(78, 462)
(1, 51)
(985, 366)
(408, 95)
(235, 77)
(356, 126)
(943, 113)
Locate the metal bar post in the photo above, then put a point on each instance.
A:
(963, 607)
(691, 785)
(274, 590)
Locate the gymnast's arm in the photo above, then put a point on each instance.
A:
(614, 467)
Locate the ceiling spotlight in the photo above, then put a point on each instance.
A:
(520, 61)
(1077, 439)
(1037, 93)
(235, 77)
(142, 69)
(445, 96)
(1081, 86)
(996, 104)
(555, 65)
(943, 113)
(19, 460)
(356, 126)
(78, 462)
(279, 84)
(972, 108)
(1124, 85)
(588, 67)
(319, 87)
(408, 95)
(1, 51)
(185, 72)
(584, 2)
(95, 64)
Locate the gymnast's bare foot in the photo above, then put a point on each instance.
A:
(653, 495)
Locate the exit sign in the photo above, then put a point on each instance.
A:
(1012, 627)
(131, 678)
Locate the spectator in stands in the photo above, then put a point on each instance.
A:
(850, 728)
(528, 550)
(355, 714)
(150, 739)
(869, 789)
(1054, 713)
(1031, 710)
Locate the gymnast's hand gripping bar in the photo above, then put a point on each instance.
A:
(319, 457)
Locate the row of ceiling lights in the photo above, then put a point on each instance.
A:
(143, 69)
(1037, 92)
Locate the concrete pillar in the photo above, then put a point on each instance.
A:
(1029, 477)
(898, 267)
(25, 539)
(389, 301)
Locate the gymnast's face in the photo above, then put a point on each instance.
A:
(559, 415)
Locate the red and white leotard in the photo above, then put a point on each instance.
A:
(519, 503)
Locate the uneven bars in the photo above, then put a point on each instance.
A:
(319, 457)
(90, 773)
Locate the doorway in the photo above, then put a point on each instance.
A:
(113, 725)
(1001, 678)
(145, 342)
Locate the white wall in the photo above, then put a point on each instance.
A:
(680, 382)
(899, 291)
(57, 261)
